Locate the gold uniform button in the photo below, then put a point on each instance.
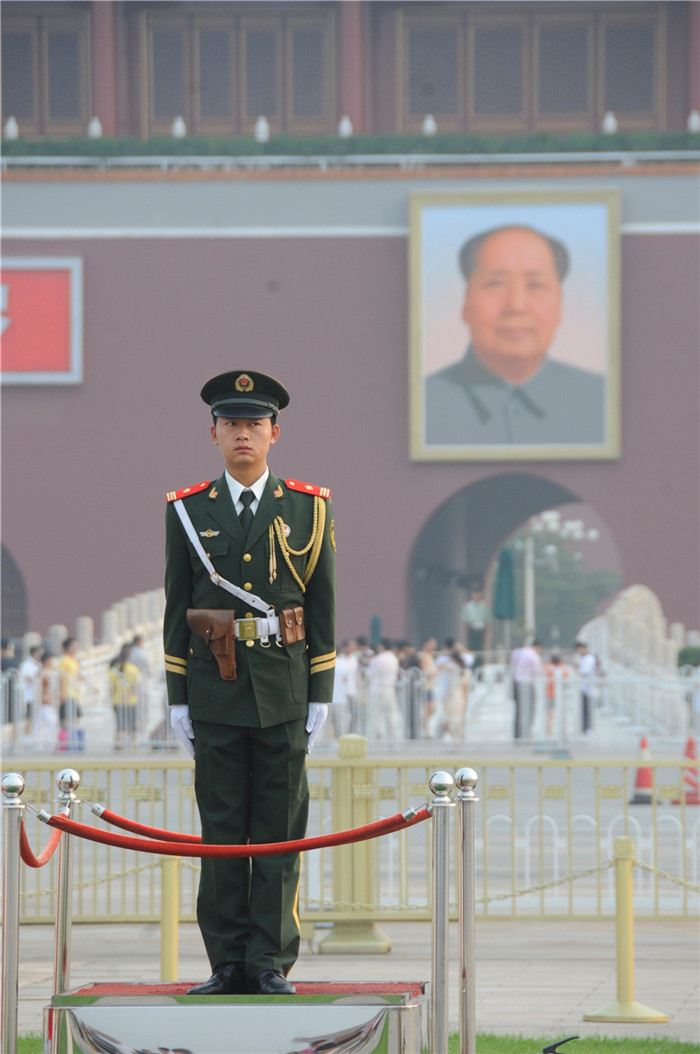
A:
(247, 557)
(208, 556)
(250, 644)
(249, 614)
(248, 585)
(191, 651)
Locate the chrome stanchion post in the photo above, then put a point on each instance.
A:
(13, 808)
(67, 781)
(466, 780)
(441, 784)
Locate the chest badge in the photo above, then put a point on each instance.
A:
(287, 529)
(209, 533)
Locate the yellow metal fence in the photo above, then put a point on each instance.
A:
(545, 832)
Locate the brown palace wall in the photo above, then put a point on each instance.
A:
(85, 469)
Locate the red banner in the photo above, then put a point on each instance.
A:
(41, 309)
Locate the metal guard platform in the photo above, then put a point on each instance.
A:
(322, 1018)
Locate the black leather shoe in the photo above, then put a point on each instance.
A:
(228, 979)
(270, 982)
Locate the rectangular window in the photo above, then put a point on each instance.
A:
(629, 69)
(563, 71)
(64, 75)
(168, 58)
(215, 75)
(261, 73)
(18, 75)
(432, 72)
(498, 72)
(307, 73)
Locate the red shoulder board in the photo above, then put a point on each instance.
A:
(308, 488)
(173, 495)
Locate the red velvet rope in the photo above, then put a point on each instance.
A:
(152, 832)
(45, 855)
(142, 845)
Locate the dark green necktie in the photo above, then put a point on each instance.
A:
(246, 513)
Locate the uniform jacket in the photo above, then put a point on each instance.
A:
(274, 683)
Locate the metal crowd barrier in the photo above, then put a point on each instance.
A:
(441, 785)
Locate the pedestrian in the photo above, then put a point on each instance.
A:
(526, 666)
(70, 680)
(10, 692)
(587, 669)
(249, 633)
(345, 689)
(476, 614)
(412, 685)
(451, 686)
(124, 683)
(426, 658)
(29, 672)
(555, 673)
(47, 716)
(382, 676)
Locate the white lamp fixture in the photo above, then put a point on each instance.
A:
(11, 129)
(178, 128)
(262, 129)
(609, 123)
(429, 125)
(95, 128)
(693, 122)
(345, 127)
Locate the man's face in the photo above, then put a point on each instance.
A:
(513, 303)
(244, 443)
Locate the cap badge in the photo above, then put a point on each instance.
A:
(244, 383)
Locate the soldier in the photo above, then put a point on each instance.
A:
(249, 656)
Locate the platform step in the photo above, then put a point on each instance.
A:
(117, 1018)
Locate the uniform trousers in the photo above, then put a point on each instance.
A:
(251, 786)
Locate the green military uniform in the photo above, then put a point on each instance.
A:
(250, 738)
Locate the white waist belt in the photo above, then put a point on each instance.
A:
(252, 628)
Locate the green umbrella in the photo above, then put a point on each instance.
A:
(504, 591)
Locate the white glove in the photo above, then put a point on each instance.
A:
(316, 719)
(182, 727)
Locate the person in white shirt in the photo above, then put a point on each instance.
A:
(29, 671)
(384, 715)
(526, 666)
(587, 668)
(345, 689)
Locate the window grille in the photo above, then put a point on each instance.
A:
(432, 78)
(498, 71)
(629, 69)
(563, 71)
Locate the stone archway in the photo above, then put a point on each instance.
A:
(460, 541)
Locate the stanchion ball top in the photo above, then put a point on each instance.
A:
(12, 785)
(466, 779)
(67, 780)
(441, 784)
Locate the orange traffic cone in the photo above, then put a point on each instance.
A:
(644, 783)
(690, 777)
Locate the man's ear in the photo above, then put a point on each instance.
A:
(212, 433)
(275, 433)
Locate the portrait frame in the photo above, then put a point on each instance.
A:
(586, 343)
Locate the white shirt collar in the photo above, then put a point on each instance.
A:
(236, 489)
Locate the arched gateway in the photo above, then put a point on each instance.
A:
(461, 540)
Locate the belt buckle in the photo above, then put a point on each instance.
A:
(247, 628)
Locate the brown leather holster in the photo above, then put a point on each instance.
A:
(292, 624)
(217, 628)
